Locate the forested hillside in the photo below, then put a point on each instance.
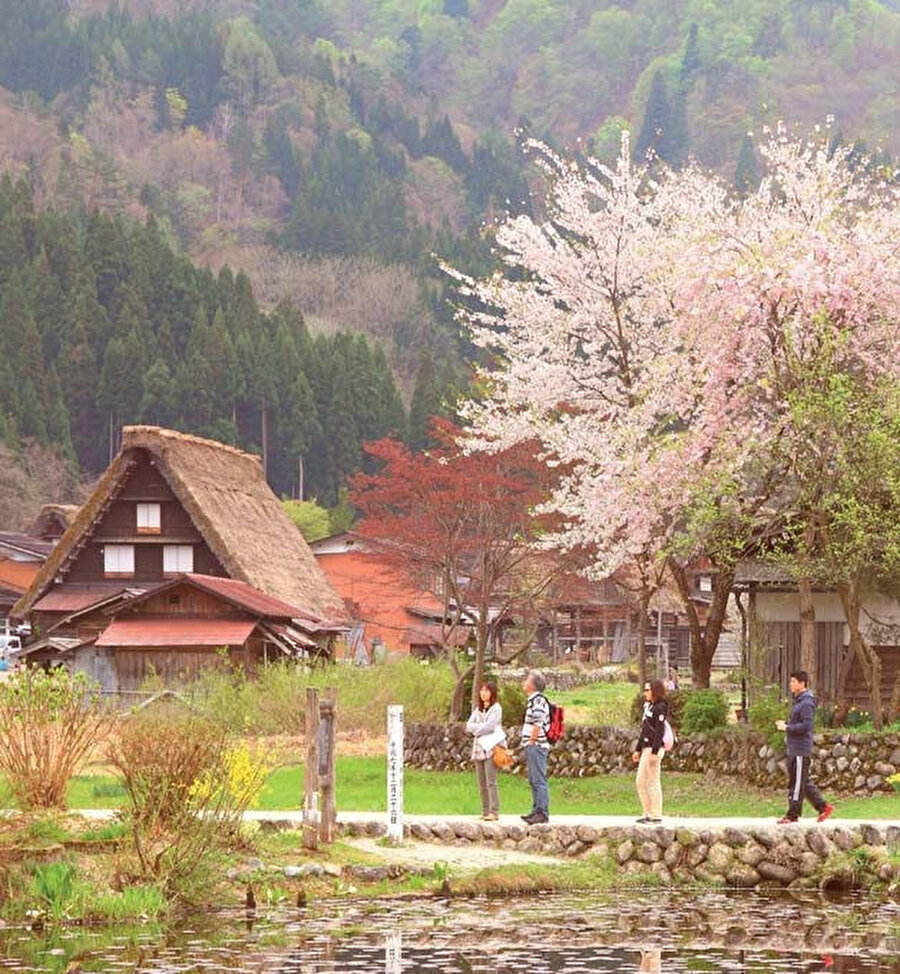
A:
(212, 200)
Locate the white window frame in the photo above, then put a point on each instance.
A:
(149, 518)
(704, 583)
(178, 559)
(118, 560)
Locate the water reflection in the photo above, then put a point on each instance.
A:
(633, 932)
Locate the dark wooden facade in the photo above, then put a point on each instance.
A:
(118, 525)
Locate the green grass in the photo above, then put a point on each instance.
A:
(361, 787)
(603, 703)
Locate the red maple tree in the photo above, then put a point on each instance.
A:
(465, 525)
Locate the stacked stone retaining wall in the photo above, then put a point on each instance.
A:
(793, 856)
(848, 764)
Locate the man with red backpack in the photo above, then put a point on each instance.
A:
(536, 746)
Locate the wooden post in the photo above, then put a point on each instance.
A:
(327, 822)
(311, 794)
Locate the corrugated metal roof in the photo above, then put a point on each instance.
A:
(246, 596)
(73, 597)
(155, 631)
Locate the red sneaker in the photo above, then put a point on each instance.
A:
(826, 811)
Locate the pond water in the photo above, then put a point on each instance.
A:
(652, 931)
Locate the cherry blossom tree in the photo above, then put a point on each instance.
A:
(650, 331)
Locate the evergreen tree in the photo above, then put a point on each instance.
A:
(746, 175)
(426, 403)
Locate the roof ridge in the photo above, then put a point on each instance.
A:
(133, 435)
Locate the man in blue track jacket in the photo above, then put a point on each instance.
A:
(799, 738)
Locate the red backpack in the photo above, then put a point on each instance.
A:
(557, 727)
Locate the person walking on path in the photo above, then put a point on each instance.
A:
(648, 751)
(536, 746)
(486, 724)
(799, 729)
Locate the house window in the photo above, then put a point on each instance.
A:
(118, 560)
(148, 519)
(178, 558)
(705, 583)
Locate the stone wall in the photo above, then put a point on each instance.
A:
(843, 763)
(794, 856)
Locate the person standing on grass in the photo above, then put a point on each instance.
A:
(799, 730)
(648, 751)
(486, 723)
(536, 746)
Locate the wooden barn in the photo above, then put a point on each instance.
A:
(181, 551)
(772, 605)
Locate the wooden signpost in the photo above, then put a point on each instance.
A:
(319, 810)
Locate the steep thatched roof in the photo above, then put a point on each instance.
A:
(62, 514)
(224, 492)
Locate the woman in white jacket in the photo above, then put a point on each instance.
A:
(486, 724)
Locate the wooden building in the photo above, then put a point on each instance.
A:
(173, 507)
(772, 605)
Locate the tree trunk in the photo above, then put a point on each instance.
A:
(459, 694)
(642, 634)
(807, 630)
(704, 640)
(868, 659)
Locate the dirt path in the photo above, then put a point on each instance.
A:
(473, 857)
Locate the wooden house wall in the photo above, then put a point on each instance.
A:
(118, 525)
(128, 669)
(184, 600)
(778, 652)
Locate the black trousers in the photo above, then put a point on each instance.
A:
(800, 787)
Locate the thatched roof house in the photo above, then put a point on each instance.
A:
(217, 504)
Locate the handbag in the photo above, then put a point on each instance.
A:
(502, 757)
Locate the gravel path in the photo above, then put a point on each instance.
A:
(474, 857)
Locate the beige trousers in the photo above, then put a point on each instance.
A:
(649, 788)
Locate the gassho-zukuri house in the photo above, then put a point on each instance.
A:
(182, 555)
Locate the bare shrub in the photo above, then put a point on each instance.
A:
(49, 722)
(187, 786)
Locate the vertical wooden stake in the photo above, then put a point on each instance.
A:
(311, 794)
(327, 719)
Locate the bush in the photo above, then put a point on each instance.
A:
(188, 787)
(49, 723)
(675, 717)
(766, 706)
(274, 702)
(704, 710)
(512, 700)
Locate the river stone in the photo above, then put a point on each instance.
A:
(634, 868)
(819, 843)
(515, 832)
(707, 876)
(565, 835)
(871, 835)
(892, 837)
(576, 848)
(883, 768)
(659, 869)
(467, 830)
(649, 852)
(422, 832)
(751, 853)
(766, 837)
(686, 837)
(530, 844)
(895, 757)
(874, 782)
(625, 851)
(508, 844)
(742, 876)
(772, 870)
(734, 837)
(443, 832)
(673, 855)
(719, 857)
(842, 764)
(843, 839)
(809, 864)
(697, 854)
(587, 834)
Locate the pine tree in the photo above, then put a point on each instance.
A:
(426, 403)
(746, 175)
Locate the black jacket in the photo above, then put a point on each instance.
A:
(653, 726)
(801, 725)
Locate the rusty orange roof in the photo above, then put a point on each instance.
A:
(70, 597)
(156, 631)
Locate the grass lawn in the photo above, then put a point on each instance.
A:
(602, 703)
(361, 787)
